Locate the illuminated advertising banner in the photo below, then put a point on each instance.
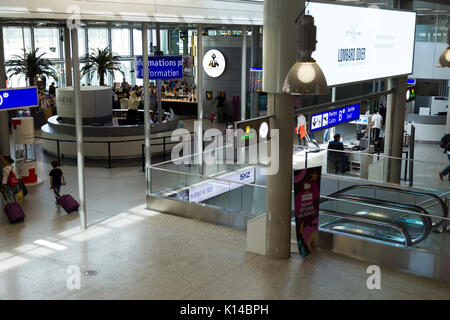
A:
(332, 118)
(357, 44)
(213, 188)
(18, 98)
(161, 67)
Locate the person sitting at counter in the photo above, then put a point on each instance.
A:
(338, 158)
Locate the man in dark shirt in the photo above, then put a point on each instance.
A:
(339, 159)
(52, 89)
(56, 179)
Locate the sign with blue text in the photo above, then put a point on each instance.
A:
(160, 67)
(334, 117)
(18, 98)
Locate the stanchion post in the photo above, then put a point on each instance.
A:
(109, 155)
(59, 153)
(164, 148)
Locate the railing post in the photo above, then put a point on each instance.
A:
(164, 148)
(306, 159)
(58, 151)
(109, 155)
(143, 158)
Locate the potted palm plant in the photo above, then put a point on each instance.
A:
(31, 65)
(101, 61)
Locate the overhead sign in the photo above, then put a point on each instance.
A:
(213, 188)
(332, 118)
(18, 98)
(214, 63)
(160, 67)
(357, 44)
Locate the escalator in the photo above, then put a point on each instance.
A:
(374, 213)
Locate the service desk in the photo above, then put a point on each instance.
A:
(181, 107)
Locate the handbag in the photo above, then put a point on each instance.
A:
(23, 187)
(12, 179)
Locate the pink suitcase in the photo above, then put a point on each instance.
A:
(69, 204)
(13, 211)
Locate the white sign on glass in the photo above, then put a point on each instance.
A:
(214, 63)
(356, 44)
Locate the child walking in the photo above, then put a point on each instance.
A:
(56, 180)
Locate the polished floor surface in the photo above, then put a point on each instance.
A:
(140, 254)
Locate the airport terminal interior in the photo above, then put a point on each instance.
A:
(271, 150)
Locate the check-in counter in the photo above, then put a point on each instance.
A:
(428, 128)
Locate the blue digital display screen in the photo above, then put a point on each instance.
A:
(334, 117)
(18, 98)
(411, 81)
(161, 67)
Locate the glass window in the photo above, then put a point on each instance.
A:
(97, 38)
(81, 42)
(126, 67)
(47, 40)
(137, 42)
(120, 39)
(14, 41)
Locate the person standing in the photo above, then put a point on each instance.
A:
(220, 108)
(52, 89)
(376, 125)
(10, 180)
(56, 180)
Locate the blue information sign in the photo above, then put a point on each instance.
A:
(332, 118)
(161, 67)
(18, 98)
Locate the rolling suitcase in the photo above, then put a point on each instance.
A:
(13, 211)
(69, 204)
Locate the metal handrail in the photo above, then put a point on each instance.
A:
(427, 223)
(360, 219)
(411, 192)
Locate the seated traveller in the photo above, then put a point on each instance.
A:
(339, 159)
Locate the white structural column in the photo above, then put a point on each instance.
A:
(79, 128)
(158, 81)
(279, 54)
(4, 124)
(395, 122)
(148, 159)
(67, 57)
(255, 62)
(447, 128)
(333, 99)
(244, 74)
(198, 128)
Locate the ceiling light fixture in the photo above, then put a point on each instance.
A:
(444, 59)
(305, 77)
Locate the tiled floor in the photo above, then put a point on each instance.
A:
(139, 254)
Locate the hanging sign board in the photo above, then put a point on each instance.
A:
(18, 98)
(160, 67)
(356, 44)
(214, 63)
(334, 117)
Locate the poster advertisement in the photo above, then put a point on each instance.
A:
(307, 201)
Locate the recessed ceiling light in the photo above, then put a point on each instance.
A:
(423, 9)
(439, 11)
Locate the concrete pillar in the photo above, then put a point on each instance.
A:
(4, 122)
(147, 128)
(79, 128)
(244, 74)
(395, 119)
(447, 128)
(279, 54)
(255, 62)
(67, 57)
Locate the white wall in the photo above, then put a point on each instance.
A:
(426, 56)
(187, 11)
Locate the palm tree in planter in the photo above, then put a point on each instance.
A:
(31, 65)
(101, 61)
